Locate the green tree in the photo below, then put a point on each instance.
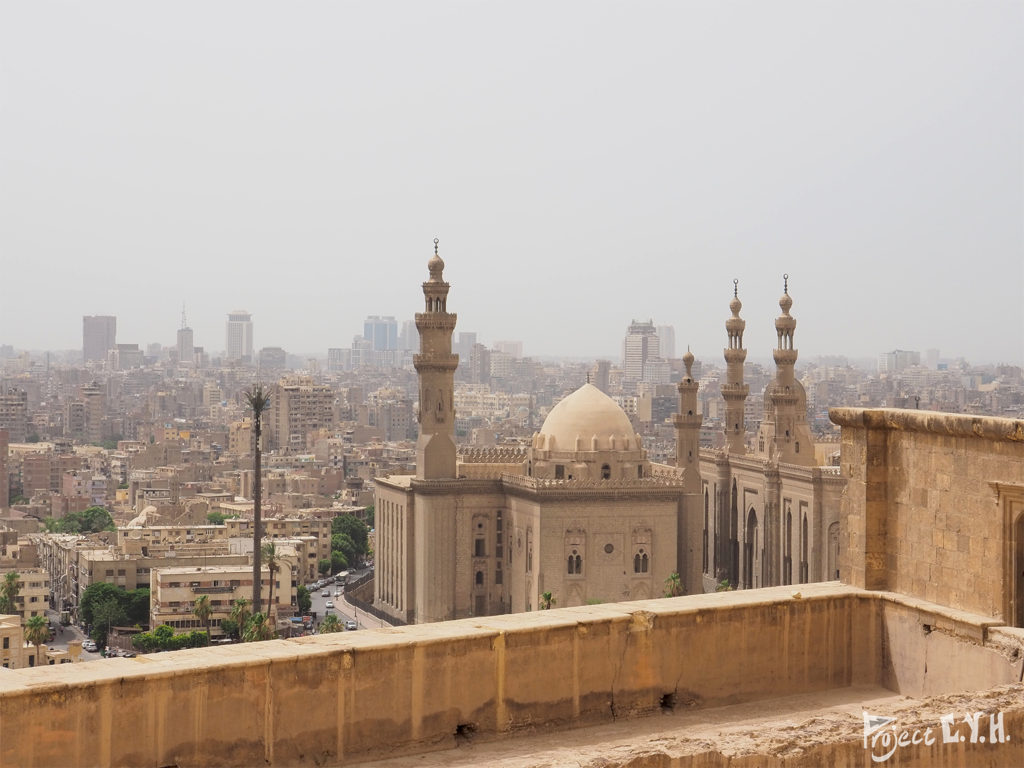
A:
(724, 586)
(258, 628)
(330, 624)
(304, 599)
(164, 637)
(342, 542)
(355, 528)
(370, 516)
(338, 562)
(673, 585)
(9, 592)
(94, 594)
(240, 613)
(258, 400)
(37, 632)
(92, 520)
(136, 604)
(324, 566)
(203, 610)
(546, 601)
(106, 614)
(229, 627)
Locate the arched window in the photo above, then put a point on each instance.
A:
(579, 565)
(606, 472)
(641, 562)
(479, 578)
(572, 563)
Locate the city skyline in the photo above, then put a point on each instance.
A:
(611, 164)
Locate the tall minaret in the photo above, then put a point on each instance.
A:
(734, 391)
(435, 364)
(687, 423)
(690, 522)
(784, 431)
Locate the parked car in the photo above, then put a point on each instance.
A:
(89, 645)
(350, 625)
(325, 593)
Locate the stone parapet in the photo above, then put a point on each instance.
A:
(356, 696)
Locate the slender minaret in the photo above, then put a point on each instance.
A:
(435, 364)
(687, 423)
(734, 391)
(784, 431)
(690, 522)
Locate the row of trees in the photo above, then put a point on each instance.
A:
(91, 520)
(105, 605)
(349, 544)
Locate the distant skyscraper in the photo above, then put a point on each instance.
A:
(381, 332)
(99, 335)
(667, 341)
(897, 360)
(186, 348)
(512, 348)
(409, 338)
(239, 336)
(639, 346)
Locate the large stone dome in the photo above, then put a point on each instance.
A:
(587, 420)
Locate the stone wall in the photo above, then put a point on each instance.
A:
(923, 514)
(336, 699)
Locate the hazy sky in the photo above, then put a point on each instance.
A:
(583, 164)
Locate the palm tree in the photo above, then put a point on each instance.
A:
(203, 610)
(673, 585)
(37, 632)
(257, 629)
(546, 601)
(269, 552)
(330, 624)
(9, 592)
(258, 400)
(240, 614)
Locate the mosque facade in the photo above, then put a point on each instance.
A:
(582, 515)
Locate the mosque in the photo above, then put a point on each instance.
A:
(582, 515)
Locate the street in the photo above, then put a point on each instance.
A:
(342, 608)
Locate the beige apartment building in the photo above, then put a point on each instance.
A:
(33, 596)
(298, 407)
(173, 592)
(15, 653)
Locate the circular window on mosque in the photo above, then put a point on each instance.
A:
(609, 548)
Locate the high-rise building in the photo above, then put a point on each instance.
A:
(511, 348)
(298, 407)
(239, 336)
(409, 337)
(99, 335)
(186, 348)
(381, 332)
(897, 360)
(14, 414)
(667, 341)
(639, 346)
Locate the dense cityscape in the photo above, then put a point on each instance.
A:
(161, 441)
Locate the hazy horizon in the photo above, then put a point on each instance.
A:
(583, 164)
